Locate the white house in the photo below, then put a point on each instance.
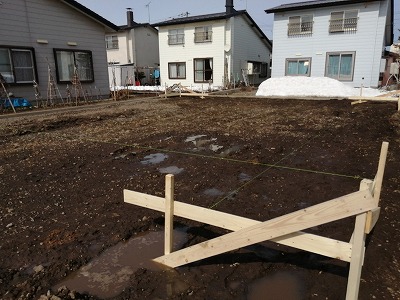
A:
(134, 48)
(38, 35)
(214, 49)
(340, 39)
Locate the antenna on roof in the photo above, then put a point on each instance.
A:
(148, 10)
(184, 14)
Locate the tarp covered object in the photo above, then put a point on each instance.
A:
(17, 102)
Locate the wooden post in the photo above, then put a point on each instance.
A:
(357, 258)
(169, 213)
(379, 174)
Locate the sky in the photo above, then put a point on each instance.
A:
(153, 11)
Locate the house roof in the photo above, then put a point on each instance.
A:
(313, 4)
(136, 25)
(215, 16)
(91, 14)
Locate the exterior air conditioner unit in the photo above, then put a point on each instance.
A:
(394, 68)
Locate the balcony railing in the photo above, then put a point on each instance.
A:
(300, 28)
(202, 37)
(176, 39)
(341, 25)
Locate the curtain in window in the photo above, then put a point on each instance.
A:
(5, 65)
(333, 66)
(292, 68)
(346, 63)
(23, 66)
(65, 65)
(84, 65)
(303, 67)
(173, 71)
(199, 70)
(181, 71)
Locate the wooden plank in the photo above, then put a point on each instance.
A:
(357, 258)
(380, 172)
(300, 240)
(336, 209)
(372, 218)
(169, 214)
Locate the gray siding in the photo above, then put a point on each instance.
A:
(23, 22)
(248, 46)
(367, 42)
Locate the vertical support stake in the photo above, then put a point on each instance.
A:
(379, 173)
(169, 213)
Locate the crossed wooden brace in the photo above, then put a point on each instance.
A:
(285, 230)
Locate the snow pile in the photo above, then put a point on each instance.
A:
(311, 86)
(157, 88)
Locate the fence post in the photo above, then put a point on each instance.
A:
(169, 213)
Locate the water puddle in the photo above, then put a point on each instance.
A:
(230, 150)
(171, 170)
(282, 285)
(155, 158)
(213, 192)
(107, 275)
(244, 177)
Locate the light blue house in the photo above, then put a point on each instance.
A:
(341, 39)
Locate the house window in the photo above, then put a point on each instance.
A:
(298, 67)
(300, 25)
(17, 65)
(69, 60)
(203, 34)
(340, 66)
(203, 69)
(112, 42)
(177, 70)
(342, 21)
(176, 37)
(257, 68)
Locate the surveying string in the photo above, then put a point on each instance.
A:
(228, 159)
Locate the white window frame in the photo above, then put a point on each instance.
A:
(297, 60)
(12, 72)
(300, 25)
(176, 36)
(343, 21)
(339, 76)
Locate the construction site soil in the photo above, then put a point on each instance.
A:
(63, 171)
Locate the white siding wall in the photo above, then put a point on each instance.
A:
(188, 51)
(23, 22)
(367, 41)
(120, 55)
(247, 46)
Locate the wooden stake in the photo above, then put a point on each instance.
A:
(379, 174)
(357, 258)
(169, 214)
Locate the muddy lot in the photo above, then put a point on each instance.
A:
(63, 173)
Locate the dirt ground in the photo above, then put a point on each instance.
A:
(63, 172)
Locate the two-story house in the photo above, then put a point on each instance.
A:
(62, 36)
(214, 49)
(339, 39)
(133, 49)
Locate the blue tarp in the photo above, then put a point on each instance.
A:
(17, 102)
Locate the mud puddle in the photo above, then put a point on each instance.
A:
(107, 275)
